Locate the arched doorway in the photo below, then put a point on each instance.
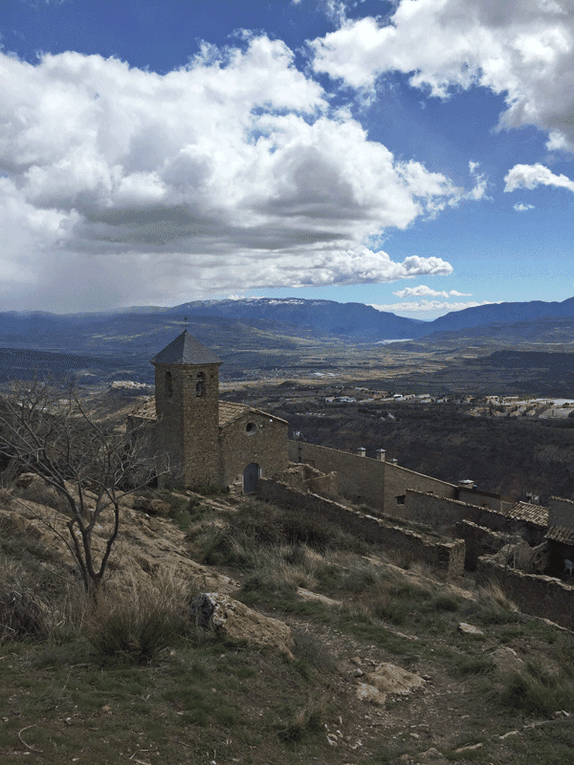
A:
(250, 477)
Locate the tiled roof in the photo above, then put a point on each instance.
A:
(228, 411)
(186, 349)
(146, 410)
(524, 511)
(560, 534)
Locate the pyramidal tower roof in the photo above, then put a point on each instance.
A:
(186, 349)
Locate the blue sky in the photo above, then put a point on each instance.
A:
(414, 155)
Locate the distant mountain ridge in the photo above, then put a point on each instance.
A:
(502, 312)
(259, 324)
(353, 320)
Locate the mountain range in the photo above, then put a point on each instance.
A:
(133, 335)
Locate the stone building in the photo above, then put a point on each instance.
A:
(202, 440)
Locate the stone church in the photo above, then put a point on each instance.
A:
(202, 440)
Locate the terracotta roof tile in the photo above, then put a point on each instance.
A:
(524, 511)
(560, 534)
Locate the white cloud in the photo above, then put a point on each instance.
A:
(427, 306)
(531, 176)
(523, 49)
(424, 291)
(520, 207)
(121, 185)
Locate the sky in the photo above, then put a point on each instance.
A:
(414, 155)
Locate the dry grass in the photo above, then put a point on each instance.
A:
(135, 622)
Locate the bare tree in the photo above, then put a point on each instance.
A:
(50, 430)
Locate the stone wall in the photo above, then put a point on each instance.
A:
(478, 542)
(541, 596)
(187, 424)
(445, 556)
(484, 499)
(363, 479)
(442, 513)
(252, 438)
(561, 512)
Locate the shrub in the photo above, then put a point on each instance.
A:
(536, 691)
(21, 616)
(136, 625)
(494, 607)
(307, 719)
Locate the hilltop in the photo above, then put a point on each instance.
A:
(496, 691)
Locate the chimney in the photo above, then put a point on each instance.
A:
(380, 455)
(361, 451)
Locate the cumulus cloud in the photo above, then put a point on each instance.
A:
(520, 207)
(523, 49)
(427, 306)
(531, 176)
(230, 174)
(423, 291)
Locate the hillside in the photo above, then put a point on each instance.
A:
(382, 671)
(502, 453)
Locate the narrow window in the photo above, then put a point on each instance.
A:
(401, 499)
(250, 428)
(168, 384)
(200, 385)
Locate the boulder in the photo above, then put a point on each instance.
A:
(151, 506)
(231, 618)
(388, 679)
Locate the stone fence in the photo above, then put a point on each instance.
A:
(442, 555)
(442, 513)
(542, 596)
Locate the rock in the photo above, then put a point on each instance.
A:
(26, 479)
(433, 756)
(469, 629)
(159, 507)
(392, 679)
(507, 660)
(508, 735)
(387, 679)
(151, 506)
(469, 748)
(372, 695)
(233, 619)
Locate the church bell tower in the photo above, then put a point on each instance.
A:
(187, 411)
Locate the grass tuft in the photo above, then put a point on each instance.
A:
(134, 626)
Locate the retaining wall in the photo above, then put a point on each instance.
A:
(409, 545)
(443, 512)
(541, 596)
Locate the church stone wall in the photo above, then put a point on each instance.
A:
(252, 438)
